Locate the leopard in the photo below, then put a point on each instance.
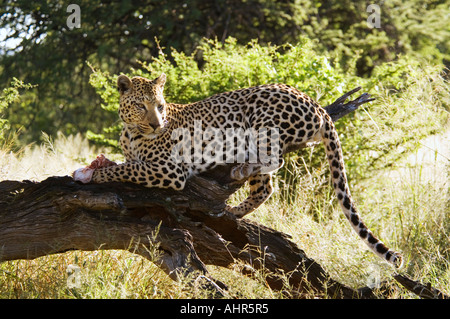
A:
(151, 132)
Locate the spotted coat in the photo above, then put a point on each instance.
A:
(148, 140)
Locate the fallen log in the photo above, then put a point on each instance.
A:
(180, 231)
(423, 291)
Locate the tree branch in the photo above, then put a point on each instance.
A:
(338, 109)
(426, 292)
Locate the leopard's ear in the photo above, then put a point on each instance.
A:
(123, 83)
(161, 80)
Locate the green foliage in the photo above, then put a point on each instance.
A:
(9, 95)
(230, 66)
(106, 87)
(226, 67)
(114, 35)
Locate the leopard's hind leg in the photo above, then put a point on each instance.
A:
(260, 180)
(260, 190)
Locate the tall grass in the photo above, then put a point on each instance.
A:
(51, 158)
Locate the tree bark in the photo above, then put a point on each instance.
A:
(180, 231)
(423, 291)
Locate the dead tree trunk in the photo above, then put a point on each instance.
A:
(179, 231)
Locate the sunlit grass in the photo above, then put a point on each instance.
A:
(408, 207)
(57, 157)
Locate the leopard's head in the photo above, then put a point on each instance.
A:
(142, 104)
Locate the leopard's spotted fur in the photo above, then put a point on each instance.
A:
(147, 140)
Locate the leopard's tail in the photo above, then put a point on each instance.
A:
(340, 184)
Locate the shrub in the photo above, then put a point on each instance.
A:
(226, 67)
(9, 95)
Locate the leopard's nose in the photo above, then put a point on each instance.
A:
(156, 125)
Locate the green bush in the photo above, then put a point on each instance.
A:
(53, 57)
(9, 95)
(226, 67)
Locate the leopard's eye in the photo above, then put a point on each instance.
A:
(140, 106)
(160, 107)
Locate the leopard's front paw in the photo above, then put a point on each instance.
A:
(83, 175)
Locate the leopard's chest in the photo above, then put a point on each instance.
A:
(149, 149)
